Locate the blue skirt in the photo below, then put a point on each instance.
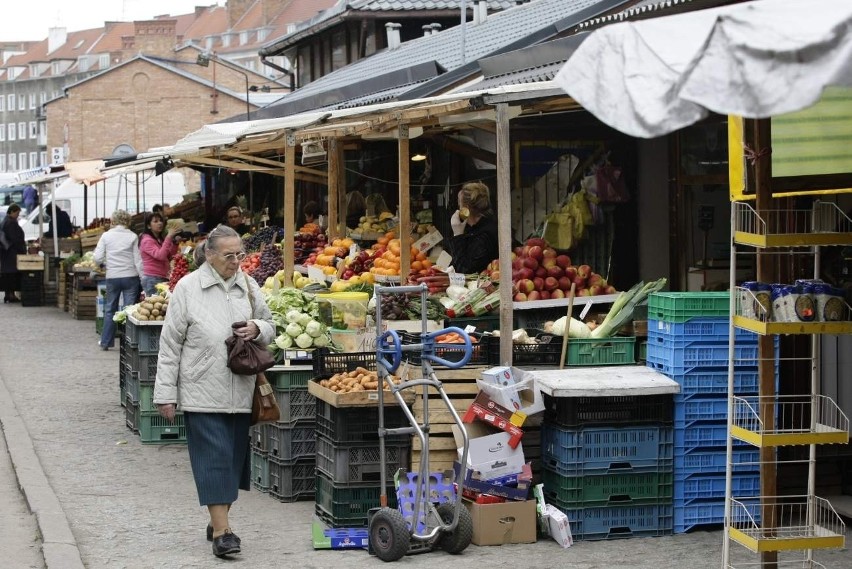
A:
(218, 446)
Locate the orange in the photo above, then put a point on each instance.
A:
(416, 266)
(421, 256)
(426, 263)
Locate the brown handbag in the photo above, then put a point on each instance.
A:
(264, 406)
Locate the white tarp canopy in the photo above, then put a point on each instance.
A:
(755, 59)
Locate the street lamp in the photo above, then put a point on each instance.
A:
(203, 60)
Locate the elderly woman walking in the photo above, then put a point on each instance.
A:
(192, 374)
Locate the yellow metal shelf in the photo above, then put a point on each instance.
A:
(791, 239)
(766, 328)
(772, 421)
(807, 523)
(823, 224)
(780, 564)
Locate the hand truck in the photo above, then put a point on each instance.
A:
(446, 525)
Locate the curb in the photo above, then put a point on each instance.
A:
(59, 547)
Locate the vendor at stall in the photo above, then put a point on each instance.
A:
(234, 219)
(474, 243)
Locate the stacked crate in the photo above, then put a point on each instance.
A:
(32, 288)
(348, 460)
(141, 344)
(688, 341)
(607, 463)
(283, 453)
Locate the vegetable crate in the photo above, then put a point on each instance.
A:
(678, 361)
(290, 481)
(715, 383)
(700, 329)
(32, 286)
(702, 436)
(452, 353)
(347, 506)
(546, 351)
(357, 424)
(707, 514)
(617, 350)
(359, 463)
(327, 363)
(144, 338)
(152, 428)
(706, 487)
(286, 442)
(296, 404)
(574, 492)
(713, 461)
(289, 377)
(679, 307)
(144, 365)
(632, 410)
(260, 470)
(619, 521)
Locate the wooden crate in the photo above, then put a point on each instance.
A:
(88, 241)
(66, 245)
(83, 304)
(30, 263)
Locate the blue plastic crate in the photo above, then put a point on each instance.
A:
(688, 489)
(704, 514)
(696, 436)
(620, 521)
(574, 452)
(677, 361)
(708, 330)
(695, 409)
(701, 383)
(714, 461)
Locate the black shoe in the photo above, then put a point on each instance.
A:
(226, 544)
(210, 534)
(14, 299)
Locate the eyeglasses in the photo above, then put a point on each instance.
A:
(231, 257)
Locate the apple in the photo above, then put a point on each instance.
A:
(544, 295)
(495, 275)
(516, 276)
(536, 242)
(550, 253)
(583, 292)
(558, 293)
(549, 262)
(555, 272)
(526, 273)
(539, 283)
(571, 272)
(596, 279)
(563, 261)
(565, 283)
(517, 263)
(534, 295)
(518, 251)
(551, 283)
(596, 290)
(610, 290)
(536, 253)
(541, 272)
(520, 297)
(530, 263)
(526, 286)
(584, 271)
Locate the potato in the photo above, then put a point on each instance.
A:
(155, 312)
(143, 311)
(160, 318)
(142, 317)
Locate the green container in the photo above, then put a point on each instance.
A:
(260, 470)
(348, 506)
(642, 351)
(607, 489)
(618, 350)
(285, 378)
(679, 307)
(154, 429)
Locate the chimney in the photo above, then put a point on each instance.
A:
(56, 38)
(436, 28)
(480, 11)
(155, 37)
(393, 35)
(427, 30)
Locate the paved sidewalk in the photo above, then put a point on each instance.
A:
(130, 505)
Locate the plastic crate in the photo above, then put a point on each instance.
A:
(707, 515)
(154, 429)
(597, 451)
(131, 415)
(358, 424)
(348, 506)
(641, 351)
(146, 398)
(688, 411)
(702, 436)
(706, 487)
(260, 470)
(481, 323)
(682, 306)
(546, 352)
(144, 364)
(286, 443)
(619, 521)
(618, 350)
(122, 390)
(714, 461)
(702, 383)
(285, 378)
(358, 463)
(632, 410)
(480, 353)
(698, 357)
(258, 438)
(296, 405)
(292, 481)
(709, 329)
(328, 363)
(145, 339)
(575, 492)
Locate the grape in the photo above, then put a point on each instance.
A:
(262, 236)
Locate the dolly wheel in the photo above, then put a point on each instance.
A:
(389, 535)
(457, 540)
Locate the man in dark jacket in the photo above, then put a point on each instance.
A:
(12, 244)
(63, 224)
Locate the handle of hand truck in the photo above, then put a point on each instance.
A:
(394, 350)
(468, 348)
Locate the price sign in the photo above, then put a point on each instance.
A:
(457, 279)
(316, 274)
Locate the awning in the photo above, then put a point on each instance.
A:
(85, 171)
(756, 59)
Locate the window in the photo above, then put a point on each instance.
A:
(2, 131)
(42, 158)
(10, 99)
(2, 162)
(22, 103)
(42, 98)
(22, 131)
(83, 64)
(22, 160)
(262, 34)
(34, 160)
(244, 38)
(13, 162)
(103, 61)
(33, 129)
(12, 131)
(32, 100)
(2, 103)
(42, 132)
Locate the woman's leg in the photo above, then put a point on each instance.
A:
(113, 292)
(219, 518)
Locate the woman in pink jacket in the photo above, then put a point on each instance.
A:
(157, 250)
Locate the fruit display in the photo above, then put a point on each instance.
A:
(261, 237)
(434, 278)
(87, 261)
(386, 261)
(181, 266)
(310, 229)
(358, 264)
(296, 317)
(407, 307)
(359, 379)
(304, 243)
(250, 263)
(539, 272)
(331, 254)
(373, 224)
(271, 261)
(153, 308)
(492, 271)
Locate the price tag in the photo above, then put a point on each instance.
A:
(428, 241)
(443, 261)
(585, 310)
(353, 251)
(316, 274)
(456, 279)
(470, 328)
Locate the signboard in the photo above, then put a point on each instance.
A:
(57, 155)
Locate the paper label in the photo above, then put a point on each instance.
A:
(428, 241)
(316, 274)
(470, 328)
(443, 261)
(353, 251)
(456, 279)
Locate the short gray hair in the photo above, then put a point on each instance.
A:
(120, 217)
(219, 232)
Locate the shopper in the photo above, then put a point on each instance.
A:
(30, 197)
(474, 243)
(356, 208)
(192, 374)
(157, 249)
(311, 211)
(63, 223)
(12, 243)
(235, 220)
(118, 250)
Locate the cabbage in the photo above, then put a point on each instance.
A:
(314, 328)
(303, 319)
(304, 341)
(293, 315)
(293, 329)
(321, 341)
(284, 342)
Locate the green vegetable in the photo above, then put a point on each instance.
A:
(293, 329)
(622, 309)
(284, 342)
(304, 341)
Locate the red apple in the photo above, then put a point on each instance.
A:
(580, 282)
(534, 295)
(584, 271)
(541, 272)
(571, 272)
(518, 251)
(544, 295)
(526, 286)
(583, 292)
(517, 264)
(550, 253)
(520, 297)
(526, 273)
(563, 261)
(516, 276)
(564, 283)
(548, 262)
(539, 283)
(551, 283)
(596, 290)
(536, 253)
(558, 293)
(536, 242)
(555, 272)
(610, 290)
(530, 263)
(495, 275)
(595, 279)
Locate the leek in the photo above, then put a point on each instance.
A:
(622, 309)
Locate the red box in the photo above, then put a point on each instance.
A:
(485, 409)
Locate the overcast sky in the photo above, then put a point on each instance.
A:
(31, 19)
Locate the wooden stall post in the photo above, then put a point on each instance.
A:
(289, 206)
(504, 215)
(335, 184)
(404, 204)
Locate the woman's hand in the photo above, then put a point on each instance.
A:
(167, 411)
(457, 224)
(248, 332)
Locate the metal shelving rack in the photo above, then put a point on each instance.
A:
(784, 523)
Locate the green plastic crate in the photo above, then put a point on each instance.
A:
(642, 351)
(622, 489)
(154, 429)
(682, 306)
(348, 506)
(618, 350)
(289, 377)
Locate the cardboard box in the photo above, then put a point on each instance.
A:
(497, 524)
(490, 454)
(519, 490)
(425, 243)
(560, 529)
(485, 409)
(523, 395)
(499, 375)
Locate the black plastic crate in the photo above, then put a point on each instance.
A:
(452, 352)
(292, 481)
(287, 442)
(348, 506)
(295, 405)
(358, 424)
(546, 351)
(360, 463)
(628, 410)
(328, 363)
